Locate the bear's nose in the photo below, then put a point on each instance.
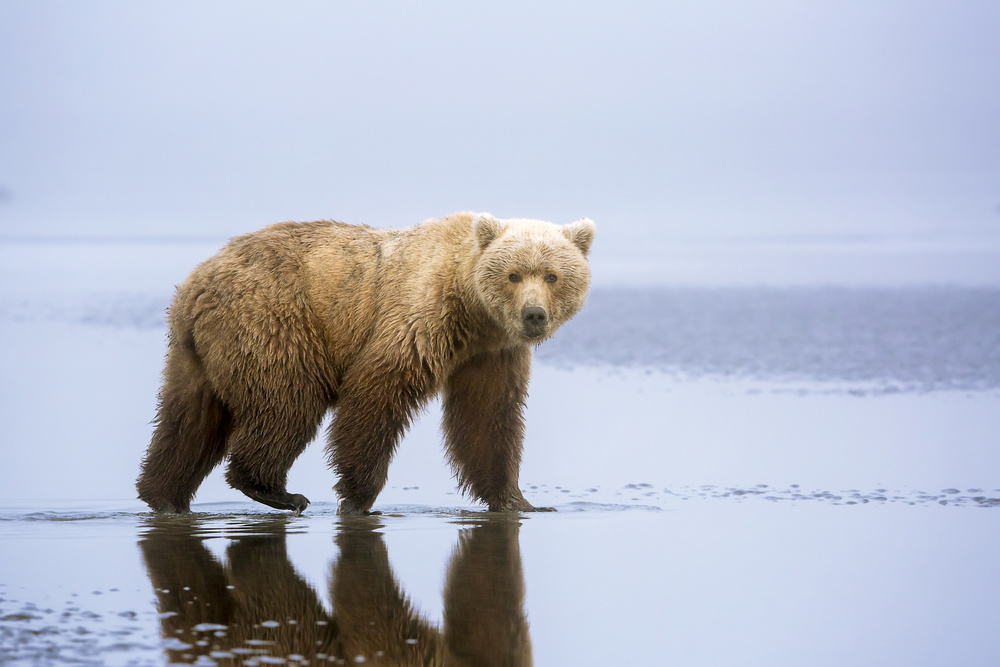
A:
(534, 319)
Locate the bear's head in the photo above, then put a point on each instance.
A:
(532, 276)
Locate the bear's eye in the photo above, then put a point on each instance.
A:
(550, 277)
(514, 278)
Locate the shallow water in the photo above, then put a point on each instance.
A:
(752, 476)
(698, 581)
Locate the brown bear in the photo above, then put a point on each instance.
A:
(283, 324)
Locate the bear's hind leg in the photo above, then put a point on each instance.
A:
(262, 448)
(190, 436)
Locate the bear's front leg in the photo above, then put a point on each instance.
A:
(374, 410)
(484, 426)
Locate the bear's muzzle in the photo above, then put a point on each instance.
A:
(534, 319)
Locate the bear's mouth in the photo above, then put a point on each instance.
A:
(534, 335)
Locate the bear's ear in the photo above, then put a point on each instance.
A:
(580, 234)
(487, 229)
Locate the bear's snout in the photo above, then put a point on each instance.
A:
(534, 319)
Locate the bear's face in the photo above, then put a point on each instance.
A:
(532, 276)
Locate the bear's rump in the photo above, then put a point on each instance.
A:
(254, 340)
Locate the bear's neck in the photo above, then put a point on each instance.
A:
(453, 319)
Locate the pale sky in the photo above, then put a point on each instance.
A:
(765, 119)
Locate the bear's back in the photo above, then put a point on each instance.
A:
(281, 302)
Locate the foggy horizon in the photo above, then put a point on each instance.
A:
(777, 121)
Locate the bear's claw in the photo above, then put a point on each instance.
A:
(295, 502)
(539, 509)
(298, 502)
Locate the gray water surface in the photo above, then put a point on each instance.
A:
(731, 576)
(917, 338)
(899, 339)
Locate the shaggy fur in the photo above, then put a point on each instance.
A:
(286, 323)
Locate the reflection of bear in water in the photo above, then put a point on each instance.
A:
(286, 323)
(484, 619)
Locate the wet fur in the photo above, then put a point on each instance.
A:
(286, 323)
